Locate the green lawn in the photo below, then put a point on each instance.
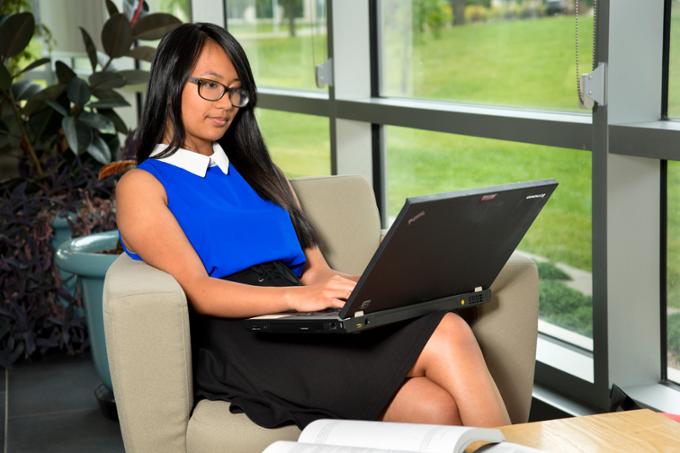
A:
(528, 63)
(516, 63)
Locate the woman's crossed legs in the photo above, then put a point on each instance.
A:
(449, 383)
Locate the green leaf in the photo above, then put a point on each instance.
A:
(64, 73)
(78, 91)
(35, 64)
(97, 121)
(5, 78)
(99, 150)
(90, 48)
(111, 7)
(108, 99)
(135, 76)
(117, 36)
(107, 79)
(16, 32)
(115, 119)
(155, 26)
(42, 126)
(25, 89)
(57, 106)
(38, 101)
(109, 104)
(114, 145)
(145, 53)
(78, 135)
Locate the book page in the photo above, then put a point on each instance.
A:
(286, 446)
(396, 436)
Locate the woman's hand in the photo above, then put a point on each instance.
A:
(331, 292)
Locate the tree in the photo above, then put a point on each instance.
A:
(291, 10)
(458, 7)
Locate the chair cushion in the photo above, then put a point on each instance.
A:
(212, 428)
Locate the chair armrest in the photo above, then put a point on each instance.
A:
(146, 324)
(506, 329)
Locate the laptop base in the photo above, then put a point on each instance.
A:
(332, 323)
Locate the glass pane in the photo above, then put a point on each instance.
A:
(505, 52)
(284, 39)
(674, 63)
(178, 8)
(673, 271)
(421, 162)
(299, 144)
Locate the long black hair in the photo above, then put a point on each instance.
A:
(171, 68)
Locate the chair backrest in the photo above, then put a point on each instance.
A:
(345, 214)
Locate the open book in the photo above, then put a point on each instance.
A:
(353, 436)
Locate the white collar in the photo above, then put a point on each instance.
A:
(194, 162)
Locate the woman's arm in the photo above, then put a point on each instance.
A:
(149, 228)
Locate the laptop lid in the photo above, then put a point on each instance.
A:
(446, 244)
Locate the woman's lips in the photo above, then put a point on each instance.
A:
(219, 122)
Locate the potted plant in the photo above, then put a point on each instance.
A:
(60, 134)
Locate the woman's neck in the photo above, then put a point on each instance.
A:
(204, 148)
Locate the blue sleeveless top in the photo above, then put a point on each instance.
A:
(228, 224)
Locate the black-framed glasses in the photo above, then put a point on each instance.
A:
(211, 90)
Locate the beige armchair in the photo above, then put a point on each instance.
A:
(148, 338)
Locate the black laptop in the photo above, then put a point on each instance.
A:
(442, 252)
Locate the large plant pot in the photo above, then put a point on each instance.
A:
(83, 257)
(62, 233)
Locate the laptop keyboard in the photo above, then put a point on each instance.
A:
(321, 312)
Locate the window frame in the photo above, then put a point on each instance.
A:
(601, 134)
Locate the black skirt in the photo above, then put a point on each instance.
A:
(283, 379)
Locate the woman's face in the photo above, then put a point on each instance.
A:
(206, 121)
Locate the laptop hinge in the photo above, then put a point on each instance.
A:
(358, 314)
(478, 289)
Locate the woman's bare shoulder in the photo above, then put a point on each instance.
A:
(139, 183)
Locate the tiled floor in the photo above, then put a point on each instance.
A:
(50, 407)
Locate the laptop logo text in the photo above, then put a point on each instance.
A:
(488, 197)
(416, 217)
(365, 304)
(538, 195)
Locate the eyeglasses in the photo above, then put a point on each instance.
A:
(211, 90)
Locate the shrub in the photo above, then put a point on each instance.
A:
(431, 15)
(529, 10)
(548, 271)
(476, 13)
(673, 334)
(566, 307)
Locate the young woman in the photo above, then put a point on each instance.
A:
(207, 205)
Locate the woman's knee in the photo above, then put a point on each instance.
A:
(453, 331)
(452, 335)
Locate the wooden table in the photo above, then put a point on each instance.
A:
(632, 431)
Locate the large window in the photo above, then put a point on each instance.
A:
(502, 52)
(673, 272)
(299, 144)
(674, 62)
(178, 8)
(420, 162)
(284, 40)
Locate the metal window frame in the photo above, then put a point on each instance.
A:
(652, 139)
